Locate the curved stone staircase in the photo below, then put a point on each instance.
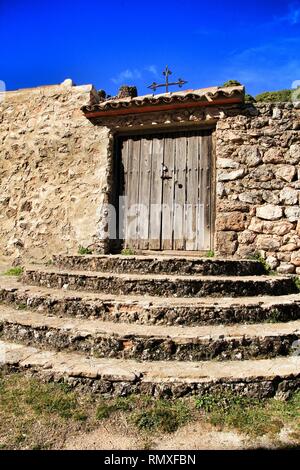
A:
(168, 326)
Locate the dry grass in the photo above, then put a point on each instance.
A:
(34, 415)
(37, 415)
(252, 416)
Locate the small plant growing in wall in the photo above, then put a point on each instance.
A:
(16, 271)
(210, 254)
(297, 282)
(230, 83)
(262, 261)
(274, 316)
(127, 252)
(84, 250)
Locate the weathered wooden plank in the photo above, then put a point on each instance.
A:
(168, 194)
(132, 194)
(124, 181)
(192, 193)
(179, 193)
(209, 171)
(204, 192)
(144, 193)
(156, 194)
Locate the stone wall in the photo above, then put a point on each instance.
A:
(258, 185)
(56, 174)
(53, 165)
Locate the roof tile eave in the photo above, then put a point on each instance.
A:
(202, 94)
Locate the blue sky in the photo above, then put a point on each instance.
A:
(109, 43)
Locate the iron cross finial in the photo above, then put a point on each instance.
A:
(166, 73)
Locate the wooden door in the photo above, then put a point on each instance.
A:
(167, 189)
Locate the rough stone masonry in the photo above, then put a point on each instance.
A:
(258, 183)
(54, 171)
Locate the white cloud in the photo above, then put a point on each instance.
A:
(296, 84)
(292, 16)
(127, 74)
(268, 66)
(152, 69)
(2, 90)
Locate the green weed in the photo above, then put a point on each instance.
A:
(17, 271)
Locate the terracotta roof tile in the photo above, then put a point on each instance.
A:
(209, 95)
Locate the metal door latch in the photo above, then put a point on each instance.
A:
(163, 172)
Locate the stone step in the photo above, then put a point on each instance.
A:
(145, 342)
(117, 377)
(151, 310)
(159, 264)
(160, 285)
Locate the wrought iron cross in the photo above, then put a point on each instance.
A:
(166, 73)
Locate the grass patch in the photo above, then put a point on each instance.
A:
(84, 250)
(128, 252)
(297, 282)
(147, 413)
(21, 306)
(251, 416)
(163, 415)
(37, 415)
(262, 261)
(51, 398)
(17, 271)
(18, 393)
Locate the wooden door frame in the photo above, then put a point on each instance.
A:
(116, 169)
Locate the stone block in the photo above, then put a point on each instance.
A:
(227, 163)
(269, 212)
(262, 173)
(295, 258)
(246, 237)
(268, 242)
(271, 196)
(288, 196)
(294, 151)
(221, 190)
(251, 197)
(285, 172)
(230, 175)
(231, 221)
(231, 206)
(277, 113)
(272, 261)
(273, 155)
(234, 137)
(289, 247)
(292, 213)
(284, 256)
(226, 243)
(250, 155)
(245, 251)
(280, 227)
(286, 268)
(291, 237)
